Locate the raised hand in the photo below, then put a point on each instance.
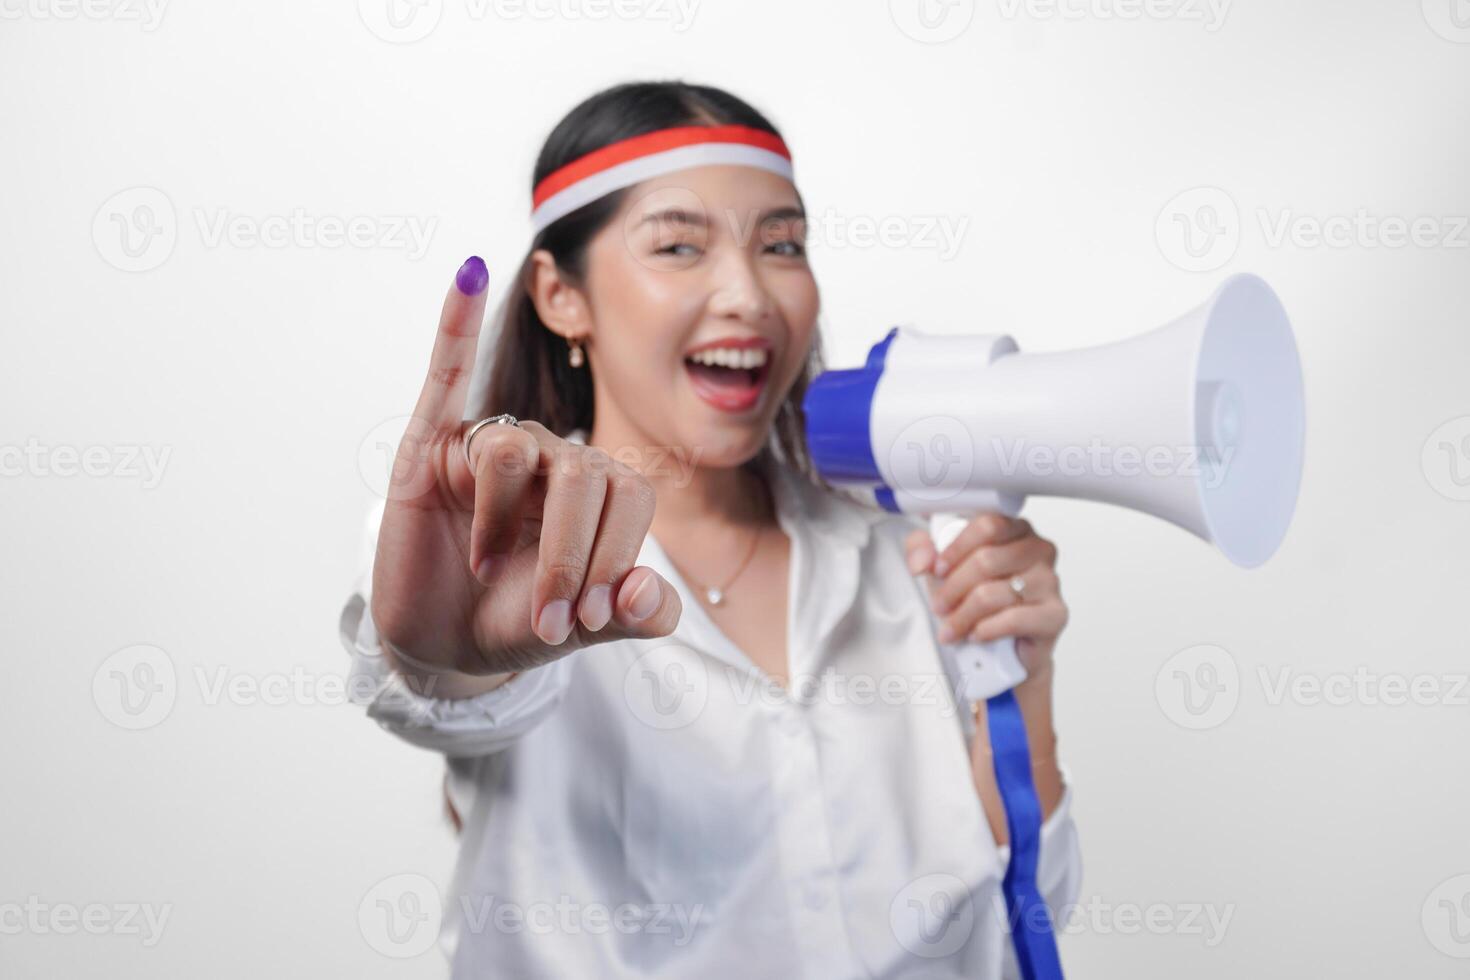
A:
(522, 554)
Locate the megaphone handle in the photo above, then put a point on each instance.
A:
(985, 669)
(989, 671)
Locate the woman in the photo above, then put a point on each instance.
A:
(694, 703)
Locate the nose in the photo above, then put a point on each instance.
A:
(739, 292)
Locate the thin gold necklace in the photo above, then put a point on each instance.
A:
(715, 594)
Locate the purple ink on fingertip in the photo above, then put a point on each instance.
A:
(472, 277)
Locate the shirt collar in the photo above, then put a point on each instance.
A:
(827, 532)
(823, 510)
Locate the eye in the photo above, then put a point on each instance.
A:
(790, 248)
(673, 249)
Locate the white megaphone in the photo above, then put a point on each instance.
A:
(1199, 422)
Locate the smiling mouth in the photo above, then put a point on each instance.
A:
(729, 379)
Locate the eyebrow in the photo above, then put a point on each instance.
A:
(677, 215)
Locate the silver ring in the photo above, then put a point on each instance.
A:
(1018, 586)
(501, 419)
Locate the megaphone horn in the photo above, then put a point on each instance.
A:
(1199, 422)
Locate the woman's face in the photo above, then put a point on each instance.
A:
(701, 310)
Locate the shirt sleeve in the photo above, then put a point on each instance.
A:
(472, 726)
(1059, 863)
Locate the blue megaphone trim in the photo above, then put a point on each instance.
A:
(839, 408)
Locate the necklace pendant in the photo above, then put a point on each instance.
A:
(715, 596)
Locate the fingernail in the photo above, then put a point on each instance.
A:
(941, 568)
(555, 622)
(597, 608)
(919, 560)
(472, 276)
(645, 599)
(491, 567)
(946, 633)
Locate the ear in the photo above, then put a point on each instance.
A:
(559, 304)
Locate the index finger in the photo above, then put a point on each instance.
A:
(442, 400)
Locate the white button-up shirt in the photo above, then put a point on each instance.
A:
(662, 809)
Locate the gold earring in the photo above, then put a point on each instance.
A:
(575, 357)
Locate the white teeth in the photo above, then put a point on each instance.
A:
(731, 357)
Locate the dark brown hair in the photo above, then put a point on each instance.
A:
(531, 378)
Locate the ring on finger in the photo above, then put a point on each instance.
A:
(1018, 587)
(501, 419)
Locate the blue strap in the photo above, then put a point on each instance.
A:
(1030, 919)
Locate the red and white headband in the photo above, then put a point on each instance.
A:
(639, 158)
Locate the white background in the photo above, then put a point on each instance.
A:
(1332, 835)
